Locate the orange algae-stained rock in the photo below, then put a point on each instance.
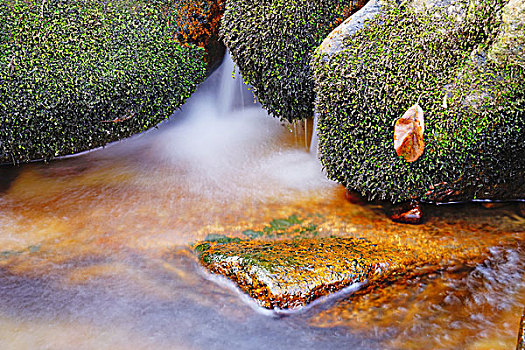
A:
(289, 274)
(199, 20)
(521, 334)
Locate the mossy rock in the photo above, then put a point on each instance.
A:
(78, 74)
(272, 43)
(509, 45)
(474, 105)
(291, 273)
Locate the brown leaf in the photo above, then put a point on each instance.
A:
(408, 134)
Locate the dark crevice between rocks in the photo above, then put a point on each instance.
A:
(8, 174)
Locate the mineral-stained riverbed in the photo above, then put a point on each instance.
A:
(95, 251)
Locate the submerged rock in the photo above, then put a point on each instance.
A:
(291, 273)
(76, 75)
(272, 43)
(521, 209)
(460, 60)
(408, 213)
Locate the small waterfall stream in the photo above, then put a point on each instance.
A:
(232, 90)
(230, 144)
(232, 98)
(314, 144)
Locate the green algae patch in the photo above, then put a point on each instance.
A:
(78, 74)
(474, 106)
(272, 43)
(5, 254)
(288, 274)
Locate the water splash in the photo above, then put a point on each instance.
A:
(231, 147)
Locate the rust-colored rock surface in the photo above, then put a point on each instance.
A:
(200, 21)
(288, 274)
(408, 213)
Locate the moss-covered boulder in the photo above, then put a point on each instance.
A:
(78, 74)
(272, 43)
(442, 57)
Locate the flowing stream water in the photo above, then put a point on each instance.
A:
(95, 250)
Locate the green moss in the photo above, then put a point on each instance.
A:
(272, 43)
(474, 141)
(291, 227)
(78, 74)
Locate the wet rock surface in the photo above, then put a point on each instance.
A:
(431, 311)
(332, 44)
(408, 213)
(291, 273)
(354, 197)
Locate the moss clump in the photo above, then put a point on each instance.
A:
(272, 43)
(78, 74)
(474, 107)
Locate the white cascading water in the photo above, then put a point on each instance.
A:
(314, 143)
(230, 146)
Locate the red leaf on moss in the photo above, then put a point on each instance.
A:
(408, 134)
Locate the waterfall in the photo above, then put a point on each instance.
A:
(241, 87)
(305, 134)
(306, 139)
(229, 146)
(314, 143)
(227, 88)
(232, 90)
(232, 96)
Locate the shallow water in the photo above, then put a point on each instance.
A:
(95, 250)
